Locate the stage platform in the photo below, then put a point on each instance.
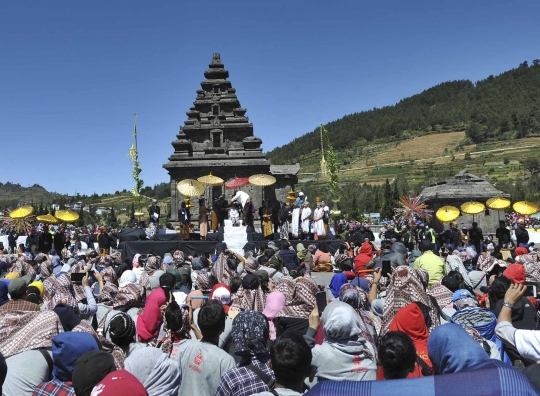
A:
(130, 248)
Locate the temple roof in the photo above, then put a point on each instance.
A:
(464, 187)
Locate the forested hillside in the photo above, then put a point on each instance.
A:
(501, 108)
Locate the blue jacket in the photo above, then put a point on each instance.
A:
(67, 347)
(290, 259)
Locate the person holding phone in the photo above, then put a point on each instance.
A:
(89, 308)
(525, 341)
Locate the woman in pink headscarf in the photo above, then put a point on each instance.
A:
(275, 302)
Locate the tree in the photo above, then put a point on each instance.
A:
(531, 164)
(112, 216)
(80, 220)
(387, 208)
(354, 213)
(475, 132)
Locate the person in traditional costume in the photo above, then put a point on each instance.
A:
(203, 219)
(184, 219)
(318, 219)
(266, 219)
(284, 215)
(305, 220)
(247, 211)
(295, 221)
(234, 215)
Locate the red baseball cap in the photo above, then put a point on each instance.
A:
(119, 383)
(516, 273)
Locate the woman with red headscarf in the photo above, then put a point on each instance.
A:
(364, 257)
(412, 322)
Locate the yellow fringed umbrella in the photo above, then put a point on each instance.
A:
(525, 207)
(190, 188)
(262, 180)
(473, 207)
(48, 218)
(22, 212)
(498, 203)
(447, 214)
(66, 215)
(211, 180)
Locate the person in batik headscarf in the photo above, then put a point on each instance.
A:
(250, 336)
(300, 296)
(406, 287)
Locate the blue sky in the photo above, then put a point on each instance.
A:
(73, 73)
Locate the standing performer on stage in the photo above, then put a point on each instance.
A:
(154, 211)
(266, 218)
(203, 219)
(184, 219)
(248, 214)
(318, 219)
(220, 209)
(284, 224)
(306, 220)
(295, 221)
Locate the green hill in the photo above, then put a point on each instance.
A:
(504, 107)
(13, 195)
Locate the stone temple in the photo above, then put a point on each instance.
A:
(218, 138)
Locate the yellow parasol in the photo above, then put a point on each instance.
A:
(473, 207)
(66, 215)
(190, 188)
(138, 214)
(22, 212)
(498, 203)
(48, 218)
(262, 180)
(447, 214)
(211, 180)
(525, 207)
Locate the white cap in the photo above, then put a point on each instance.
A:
(223, 295)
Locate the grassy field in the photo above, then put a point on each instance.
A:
(416, 157)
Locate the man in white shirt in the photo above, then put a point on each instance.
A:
(526, 342)
(240, 196)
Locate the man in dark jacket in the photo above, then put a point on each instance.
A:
(406, 237)
(522, 235)
(220, 208)
(455, 239)
(369, 234)
(32, 242)
(154, 211)
(476, 237)
(104, 243)
(45, 241)
(392, 235)
(248, 214)
(503, 234)
(290, 259)
(59, 240)
(12, 241)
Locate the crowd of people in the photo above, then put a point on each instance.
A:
(423, 313)
(265, 323)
